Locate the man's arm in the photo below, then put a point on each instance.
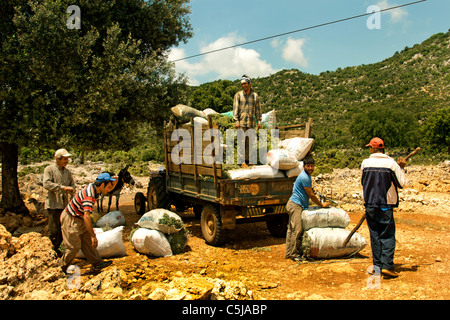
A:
(89, 228)
(313, 197)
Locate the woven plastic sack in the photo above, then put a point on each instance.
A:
(112, 219)
(268, 120)
(185, 113)
(110, 243)
(325, 243)
(299, 147)
(152, 220)
(151, 242)
(295, 171)
(281, 159)
(317, 217)
(262, 172)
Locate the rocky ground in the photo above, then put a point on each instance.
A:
(251, 264)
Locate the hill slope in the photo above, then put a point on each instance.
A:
(414, 82)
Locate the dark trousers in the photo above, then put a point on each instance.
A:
(54, 228)
(382, 236)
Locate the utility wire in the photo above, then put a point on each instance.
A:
(295, 31)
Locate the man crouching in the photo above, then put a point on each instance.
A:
(76, 224)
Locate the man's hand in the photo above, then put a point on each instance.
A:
(94, 242)
(401, 162)
(69, 190)
(325, 204)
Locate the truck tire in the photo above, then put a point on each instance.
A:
(211, 224)
(156, 194)
(277, 225)
(139, 203)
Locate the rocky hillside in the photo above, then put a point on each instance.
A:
(415, 82)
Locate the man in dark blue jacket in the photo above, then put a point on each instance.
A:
(381, 176)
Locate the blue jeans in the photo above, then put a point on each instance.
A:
(382, 236)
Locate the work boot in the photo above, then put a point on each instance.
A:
(102, 265)
(389, 273)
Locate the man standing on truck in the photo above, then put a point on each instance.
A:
(299, 201)
(380, 178)
(246, 108)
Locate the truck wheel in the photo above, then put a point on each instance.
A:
(211, 224)
(277, 225)
(139, 203)
(156, 194)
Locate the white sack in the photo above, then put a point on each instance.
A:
(150, 220)
(264, 171)
(112, 219)
(199, 120)
(299, 147)
(110, 243)
(326, 243)
(152, 242)
(268, 120)
(209, 111)
(317, 217)
(185, 113)
(294, 172)
(281, 159)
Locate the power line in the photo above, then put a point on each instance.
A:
(295, 31)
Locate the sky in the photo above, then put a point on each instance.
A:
(369, 39)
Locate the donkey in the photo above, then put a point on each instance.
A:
(124, 177)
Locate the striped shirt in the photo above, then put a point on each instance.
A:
(83, 201)
(246, 108)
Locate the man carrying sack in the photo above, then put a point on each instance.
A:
(76, 224)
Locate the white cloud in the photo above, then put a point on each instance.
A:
(293, 52)
(397, 15)
(227, 64)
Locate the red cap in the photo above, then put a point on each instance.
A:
(376, 143)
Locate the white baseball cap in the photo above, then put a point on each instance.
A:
(62, 153)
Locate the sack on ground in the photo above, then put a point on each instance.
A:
(151, 242)
(294, 172)
(110, 243)
(317, 217)
(162, 220)
(185, 113)
(323, 243)
(112, 219)
(281, 159)
(299, 147)
(262, 172)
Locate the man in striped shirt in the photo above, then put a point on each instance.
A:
(76, 225)
(246, 108)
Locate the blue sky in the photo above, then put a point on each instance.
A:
(217, 24)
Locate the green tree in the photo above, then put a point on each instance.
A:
(88, 87)
(395, 127)
(436, 130)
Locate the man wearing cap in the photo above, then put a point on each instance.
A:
(76, 223)
(58, 182)
(380, 178)
(299, 201)
(246, 108)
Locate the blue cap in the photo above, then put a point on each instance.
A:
(103, 177)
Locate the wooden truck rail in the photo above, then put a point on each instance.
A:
(201, 183)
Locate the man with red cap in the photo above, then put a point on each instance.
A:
(381, 176)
